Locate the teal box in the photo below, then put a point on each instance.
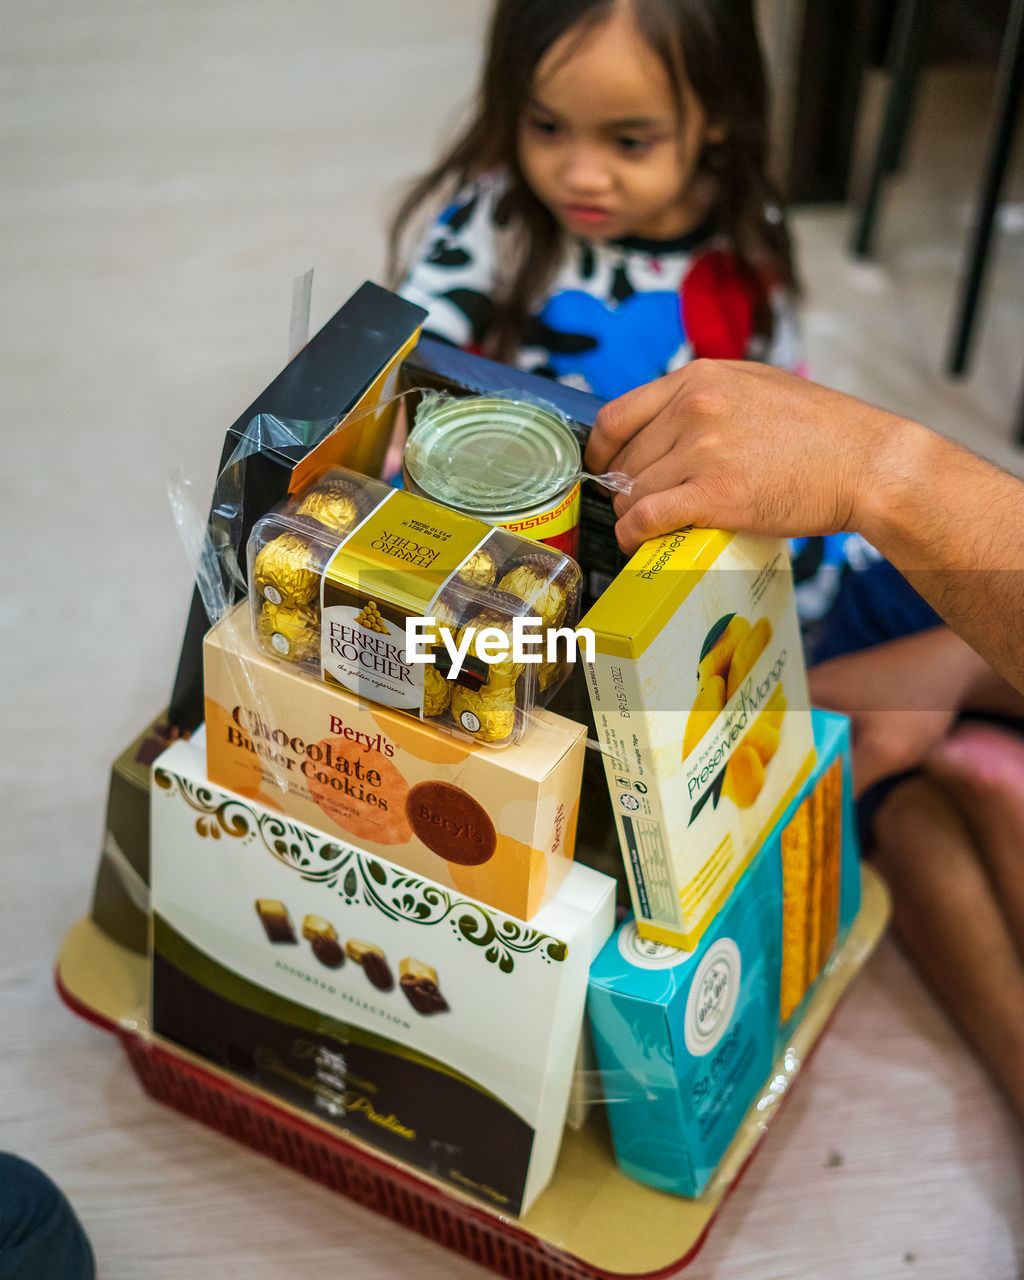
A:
(685, 1041)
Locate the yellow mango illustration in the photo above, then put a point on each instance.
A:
(747, 653)
(763, 737)
(716, 663)
(707, 704)
(744, 776)
(774, 711)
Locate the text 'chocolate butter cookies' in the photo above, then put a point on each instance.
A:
(451, 823)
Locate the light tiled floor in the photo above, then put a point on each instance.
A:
(168, 169)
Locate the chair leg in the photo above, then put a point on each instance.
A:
(1019, 432)
(906, 46)
(1009, 85)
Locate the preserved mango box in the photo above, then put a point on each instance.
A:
(412, 1016)
(498, 825)
(700, 702)
(686, 1040)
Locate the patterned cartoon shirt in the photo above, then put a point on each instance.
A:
(615, 315)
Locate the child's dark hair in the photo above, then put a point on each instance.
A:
(713, 43)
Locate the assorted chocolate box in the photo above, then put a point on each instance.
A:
(358, 905)
(416, 1017)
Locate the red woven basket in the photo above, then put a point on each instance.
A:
(386, 1188)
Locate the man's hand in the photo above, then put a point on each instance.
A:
(736, 445)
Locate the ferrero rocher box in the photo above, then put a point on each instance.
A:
(497, 825)
(410, 1015)
(337, 574)
(687, 1039)
(700, 702)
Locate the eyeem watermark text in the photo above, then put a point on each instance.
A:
(531, 641)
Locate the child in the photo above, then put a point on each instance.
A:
(612, 217)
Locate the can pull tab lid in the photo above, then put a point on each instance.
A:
(502, 450)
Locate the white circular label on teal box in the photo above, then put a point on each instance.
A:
(644, 953)
(712, 999)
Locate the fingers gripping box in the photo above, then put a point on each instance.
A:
(415, 1018)
(686, 1040)
(700, 702)
(497, 825)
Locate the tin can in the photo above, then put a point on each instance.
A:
(511, 463)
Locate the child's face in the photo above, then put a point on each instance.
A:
(601, 143)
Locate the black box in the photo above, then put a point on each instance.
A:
(315, 390)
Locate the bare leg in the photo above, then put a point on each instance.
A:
(948, 918)
(983, 768)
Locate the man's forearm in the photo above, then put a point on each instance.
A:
(953, 524)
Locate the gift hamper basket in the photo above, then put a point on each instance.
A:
(368, 904)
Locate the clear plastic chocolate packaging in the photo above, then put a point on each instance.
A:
(415, 606)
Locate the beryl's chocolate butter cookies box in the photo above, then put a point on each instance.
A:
(700, 701)
(497, 825)
(411, 1016)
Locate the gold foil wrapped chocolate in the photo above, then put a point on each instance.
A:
(531, 584)
(480, 570)
(338, 511)
(445, 614)
(488, 715)
(437, 691)
(293, 634)
(549, 672)
(503, 671)
(287, 571)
